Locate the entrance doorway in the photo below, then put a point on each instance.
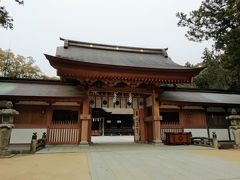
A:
(112, 127)
(119, 125)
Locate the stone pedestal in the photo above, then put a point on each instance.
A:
(33, 147)
(5, 134)
(235, 128)
(6, 125)
(236, 135)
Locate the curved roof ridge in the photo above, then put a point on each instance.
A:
(68, 42)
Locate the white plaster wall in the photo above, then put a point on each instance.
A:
(20, 136)
(222, 134)
(197, 132)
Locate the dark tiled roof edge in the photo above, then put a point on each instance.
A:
(68, 42)
(35, 81)
(203, 90)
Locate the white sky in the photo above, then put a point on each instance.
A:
(143, 23)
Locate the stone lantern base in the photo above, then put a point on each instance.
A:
(236, 134)
(5, 134)
(235, 128)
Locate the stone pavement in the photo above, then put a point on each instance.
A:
(124, 160)
(153, 163)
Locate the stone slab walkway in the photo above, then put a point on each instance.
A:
(124, 161)
(160, 164)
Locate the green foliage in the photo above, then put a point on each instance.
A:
(17, 66)
(218, 20)
(214, 76)
(5, 19)
(188, 64)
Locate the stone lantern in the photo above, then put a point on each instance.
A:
(235, 127)
(6, 125)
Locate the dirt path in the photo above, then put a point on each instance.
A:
(46, 166)
(229, 155)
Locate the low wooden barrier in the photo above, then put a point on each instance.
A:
(38, 144)
(171, 129)
(178, 138)
(202, 141)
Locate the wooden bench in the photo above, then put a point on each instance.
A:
(202, 141)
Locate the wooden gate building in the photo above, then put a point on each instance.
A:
(130, 80)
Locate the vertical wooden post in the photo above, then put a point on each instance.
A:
(79, 122)
(85, 118)
(142, 125)
(136, 125)
(49, 120)
(156, 118)
(89, 127)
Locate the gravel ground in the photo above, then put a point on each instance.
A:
(45, 166)
(228, 155)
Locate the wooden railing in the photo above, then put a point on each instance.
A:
(63, 132)
(63, 135)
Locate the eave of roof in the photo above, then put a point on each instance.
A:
(200, 97)
(28, 89)
(28, 80)
(60, 60)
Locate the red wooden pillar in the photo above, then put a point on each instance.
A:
(49, 120)
(136, 120)
(142, 125)
(85, 118)
(156, 118)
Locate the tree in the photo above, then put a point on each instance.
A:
(214, 76)
(5, 19)
(17, 66)
(218, 20)
(188, 64)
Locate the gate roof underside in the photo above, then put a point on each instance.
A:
(89, 60)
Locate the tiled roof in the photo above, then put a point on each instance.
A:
(200, 97)
(38, 90)
(116, 55)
